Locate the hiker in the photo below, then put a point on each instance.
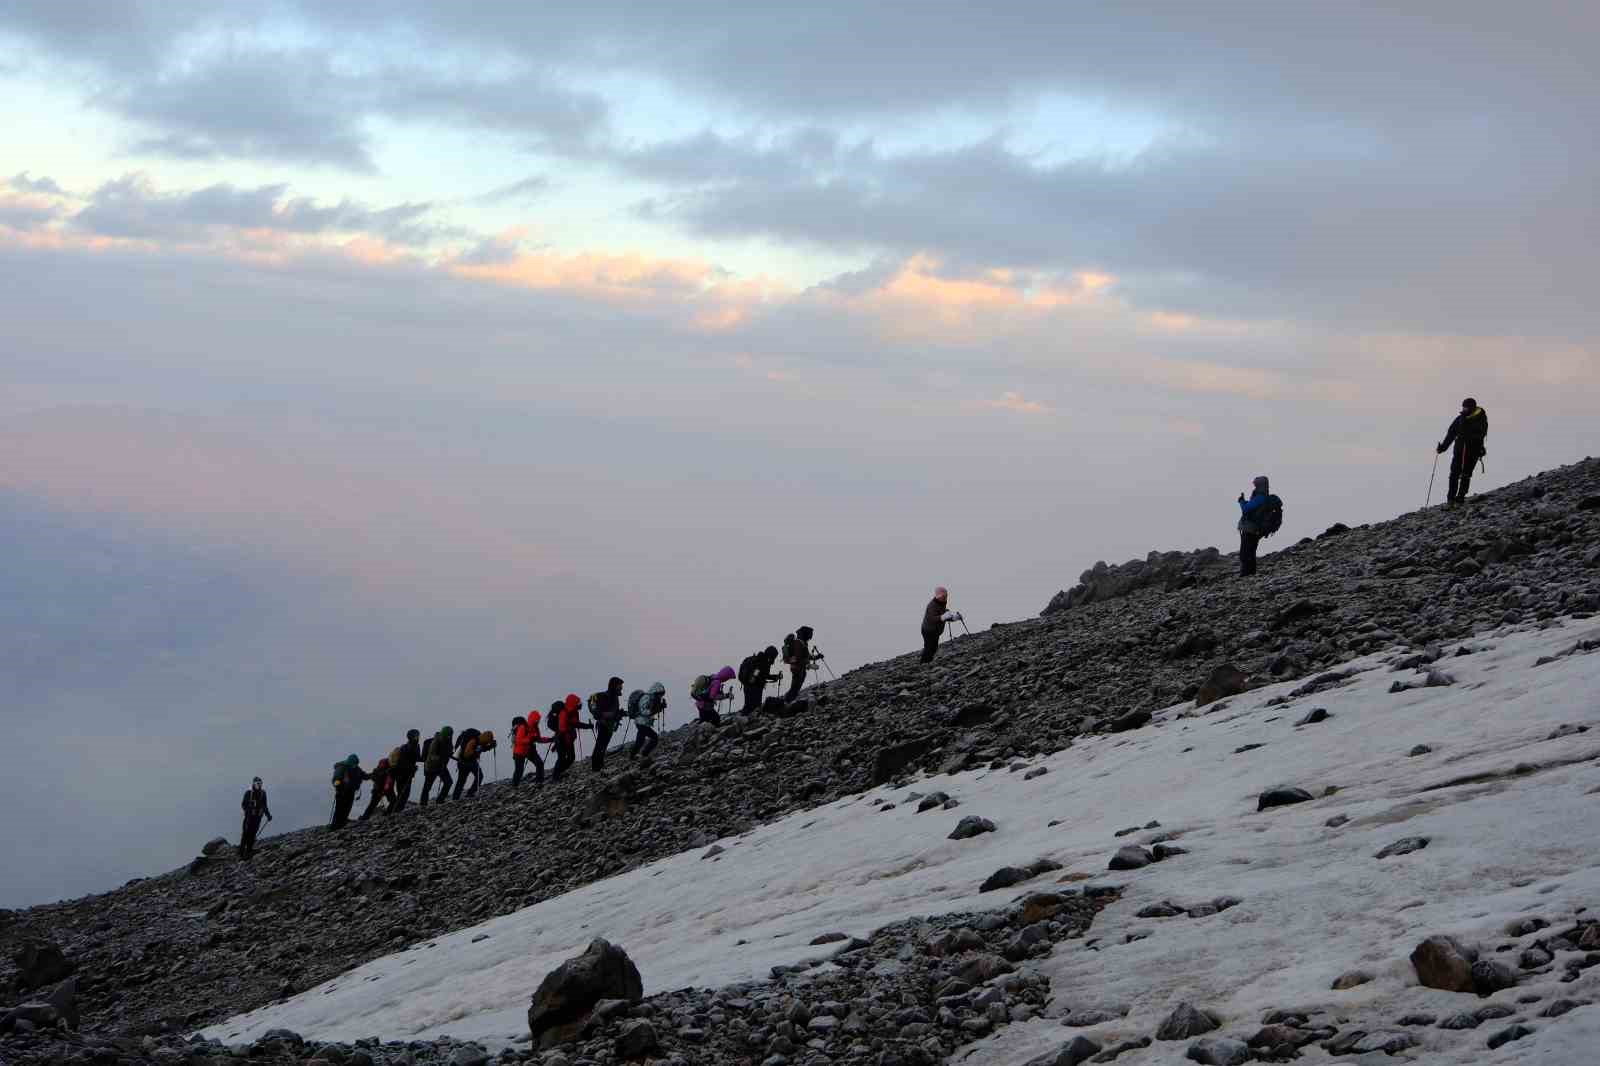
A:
(254, 805)
(1254, 515)
(643, 706)
(567, 726)
(436, 763)
(706, 691)
(934, 617)
(797, 655)
(382, 778)
(525, 741)
(468, 748)
(403, 763)
(347, 778)
(1467, 432)
(606, 710)
(754, 676)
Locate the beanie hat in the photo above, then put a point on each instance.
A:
(940, 593)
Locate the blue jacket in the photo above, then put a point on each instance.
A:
(1257, 498)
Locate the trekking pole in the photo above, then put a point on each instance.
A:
(817, 656)
(963, 622)
(1431, 476)
(495, 751)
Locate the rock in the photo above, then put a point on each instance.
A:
(1078, 1049)
(1420, 749)
(636, 1040)
(932, 800)
(828, 938)
(1351, 979)
(1224, 680)
(1281, 797)
(1489, 977)
(214, 845)
(1218, 1051)
(1315, 715)
(1037, 771)
(64, 998)
(1443, 962)
(467, 1055)
(568, 992)
(1336, 821)
(41, 963)
(1005, 877)
(1404, 846)
(1130, 720)
(1417, 1019)
(1534, 957)
(1130, 857)
(1163, 909)
(1390, 1043)
(1186, 1020)
(890, 761)
(970, 826)
(1082, 1019)
(1042, 906)
(1508, 1034)
(1559, 1007)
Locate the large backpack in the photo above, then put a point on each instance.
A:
(700, 688)
(1269, 519)
(486, 741)
(788, 648)
(749, 668)
(338, 775)
(394, 758)
(635, 698)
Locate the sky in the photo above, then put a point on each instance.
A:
(375, 367)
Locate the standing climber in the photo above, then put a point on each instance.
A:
(797, 656)
(606, 710)
(468, 748)
(643, 707)
(436, 763)
(525, 741)
(382, 780)
(403, 763)
(254, 805)
(567, 726)
(707, 691)
(1467, 432)
(934, 617)
(1259, 516)
(347, 778)
(754, 676)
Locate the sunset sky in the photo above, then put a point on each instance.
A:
(370, 366)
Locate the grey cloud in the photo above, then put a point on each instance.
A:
(131, 206)
(44, 185)
(529, 188)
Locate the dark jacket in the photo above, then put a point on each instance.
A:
(410, 757)
(933, 616)
(461, 745)
(352, 778)
(254, 804)
(608, 707)
(1468, 432)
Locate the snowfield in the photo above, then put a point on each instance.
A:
(1316, 903)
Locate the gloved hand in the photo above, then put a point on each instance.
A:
(1439, 450)
(1241, 497)
(269, 817)
(949, 616)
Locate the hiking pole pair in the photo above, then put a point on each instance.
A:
(1431, 476)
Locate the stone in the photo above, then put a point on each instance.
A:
(1042, 906)
(1218, 1051)
(1352, 979)
(1186, 1020)
(828, 938)
(64, 998)
(571, 990)
(1130, 720)
(932, 800)
(1004, 877)
(1507, 1035)
(970, 826)
(1404, 846)
(636, 1040)
(469, 1055)
(1443, 962)
(1078, 1049)
(1130, 857)
(1534, 957)
(1489, 977)
(214, 845)
(892, 760)
(1559, 1007)
(1315, 715)
(1225, 680)
(1420, 749)
(1037, 771)
(41, 963)
(1281, 797)
(1083, 1019)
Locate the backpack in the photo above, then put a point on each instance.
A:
(427, 746)
(635, 698)
(338, 775)
(1269, 519)
(788, 648)
(394, 757)
(700, 689)
(747, 670)
(486, 741)
(594, 702)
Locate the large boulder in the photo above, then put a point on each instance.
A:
(892, 760)
(570, 991)
(1444, 962)
(41, 963)
(214, 845)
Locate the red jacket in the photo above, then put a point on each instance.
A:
(568, 725)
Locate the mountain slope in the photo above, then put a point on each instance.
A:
(186, 949)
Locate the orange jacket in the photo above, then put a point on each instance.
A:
(521, 738)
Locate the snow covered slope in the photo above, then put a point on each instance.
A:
(1316, 902)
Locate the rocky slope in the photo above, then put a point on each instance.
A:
(189, 947)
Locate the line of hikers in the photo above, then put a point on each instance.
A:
(392, 778)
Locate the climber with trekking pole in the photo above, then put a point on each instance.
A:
(798, 656)
(567, 726)
(643, 707)
(1468, 432)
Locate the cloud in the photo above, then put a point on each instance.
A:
(530, 188)
(45, 185)
(1016, 403)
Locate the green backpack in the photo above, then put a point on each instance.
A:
(700, 689)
